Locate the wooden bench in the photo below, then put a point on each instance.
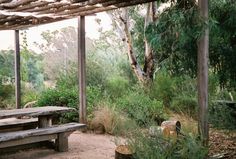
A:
(14, 124)
(60, 133)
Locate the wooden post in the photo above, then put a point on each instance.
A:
(44, 121)
(82, 70)
(62, 142)
(17, 70)
(203, 55)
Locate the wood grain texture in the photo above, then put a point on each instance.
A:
(40, 132)
(28, 140)
(17, 122)
(13, 124)
(34, 112)
(203, 60)
(22, 14)
(62, 142)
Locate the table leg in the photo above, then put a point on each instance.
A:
(45, 121)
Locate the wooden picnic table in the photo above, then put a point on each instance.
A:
(43, 131)
(33, 112)
(44, 114)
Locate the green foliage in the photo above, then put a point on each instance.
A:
(58, 97)
(61, 97)
(175, 35)
(222, 116)
(174, 38)
(66, 94)
(96, 73)
(29, 95)
(6, 65)
(146, 147)
(116, 87)
(163, 88)
(6, 95)
(31, 68)
(138, 32)
(141, 107)
(185, 99)
(185, 104)
(223, 42)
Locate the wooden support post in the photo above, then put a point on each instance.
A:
(17, 70)
(203, 55)
(82, 69)
(45, 121)
(62, 142)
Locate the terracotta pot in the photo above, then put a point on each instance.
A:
(123, 152)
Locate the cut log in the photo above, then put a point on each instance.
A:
(123, 152)
(172, 125)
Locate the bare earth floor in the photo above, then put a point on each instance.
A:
(81, 146)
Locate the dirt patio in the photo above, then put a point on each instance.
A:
(81, 146)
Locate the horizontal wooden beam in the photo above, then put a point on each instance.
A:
(23, 14)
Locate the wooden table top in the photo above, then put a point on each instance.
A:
(34, 112)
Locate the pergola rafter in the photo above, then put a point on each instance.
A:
(22, 14)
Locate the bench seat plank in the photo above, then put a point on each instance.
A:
(40, 132)
(17, 122)
(28, 140)
(14, 124)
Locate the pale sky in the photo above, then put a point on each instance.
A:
(7, 37)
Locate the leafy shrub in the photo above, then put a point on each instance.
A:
(213, 85)
(185, 85)
(146, 147)
(185, 104)
(61, 97)
(29, 95)
(6, 91)
(116, 87)
(6, 96)
(69, 97)
(163, 88)
(222, 116)
(141, 107)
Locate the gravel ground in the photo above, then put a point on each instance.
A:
(81, 146)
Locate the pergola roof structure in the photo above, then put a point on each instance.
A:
(21, 14)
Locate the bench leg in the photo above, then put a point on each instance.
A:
(62, 142)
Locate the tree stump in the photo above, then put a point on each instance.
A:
(123, 152)
(172, 125)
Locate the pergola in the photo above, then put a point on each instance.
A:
(21, 14)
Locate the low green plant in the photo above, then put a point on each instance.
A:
(146, 147)
(222, 116)
(6, 96)
(29, 95)
(140, 107)
(185, 104)
(116, 87)
(69, 97)
(163, 88)
(61, 97)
